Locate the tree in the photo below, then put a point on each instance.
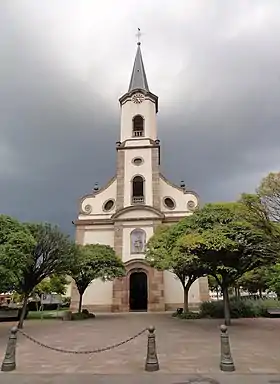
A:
(167, 251)
(254, 281)
(53, 253)
(213, 285)
(227, 244)
(273, 279)
(95, 261)
(269, 193)
(53, 284)
(16, 244)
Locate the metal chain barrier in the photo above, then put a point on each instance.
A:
(98, 350)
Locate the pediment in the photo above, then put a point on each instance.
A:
(138, 212)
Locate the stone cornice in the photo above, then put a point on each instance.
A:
(149, 95)
(138, 207)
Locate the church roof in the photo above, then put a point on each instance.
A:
(138, 78)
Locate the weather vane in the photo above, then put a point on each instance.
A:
(138, 35)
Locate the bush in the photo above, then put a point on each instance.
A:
(83, 315)
(66, 302)
(186, 315)
(239, 308)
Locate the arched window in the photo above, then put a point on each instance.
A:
(138, 190)
(138, 126)
(137, 241)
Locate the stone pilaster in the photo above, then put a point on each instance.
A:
(80, 234)
(118, 239)
(120, 180)
(156, 291)
(203, 289)
(118, 283)
(155, 177)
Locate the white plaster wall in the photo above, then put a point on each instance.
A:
(105, 236)
(144, 170)
(96, 201)
(133, 142)
(173, 290)
(138, 213)
(181, 198)
(147, 110)
(98, 292)
(126, 241)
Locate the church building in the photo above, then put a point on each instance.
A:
(125, 213)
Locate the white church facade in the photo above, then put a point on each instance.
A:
(125, 213)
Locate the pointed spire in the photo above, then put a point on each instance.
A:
(138, 78)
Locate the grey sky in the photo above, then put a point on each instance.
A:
(215, 66)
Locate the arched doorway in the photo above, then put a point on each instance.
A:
(138, 291)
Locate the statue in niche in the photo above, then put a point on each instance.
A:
(137, 241)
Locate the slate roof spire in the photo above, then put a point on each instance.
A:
(138, 78)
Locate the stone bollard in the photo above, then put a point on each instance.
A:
(67, 316)
(227, 364)
(9, 362)
(151, 360)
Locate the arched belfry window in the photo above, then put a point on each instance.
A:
(138, 126)
(138, 190)
(137, 241)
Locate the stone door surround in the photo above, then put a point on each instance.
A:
(155, 282)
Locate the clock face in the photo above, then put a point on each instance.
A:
(138, 98)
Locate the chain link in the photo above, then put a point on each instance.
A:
(98, 350)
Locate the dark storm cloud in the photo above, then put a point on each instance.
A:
(215, 68)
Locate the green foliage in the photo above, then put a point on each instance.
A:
(53, 254)
(212, 283)
(273, 279)
(187, 315)
(82, 315)
(168, 251)
(16, 244)
(53, 284)
(238, 308)
(95, 261)
(269, 192)
(226, 242)
(254, 281)
(259, 216)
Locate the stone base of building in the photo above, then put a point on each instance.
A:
(107, 308)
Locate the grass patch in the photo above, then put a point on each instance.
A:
(33, 315)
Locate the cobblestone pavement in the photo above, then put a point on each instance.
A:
(184, 346)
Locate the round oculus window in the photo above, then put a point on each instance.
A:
(169, 203)
(109, 205)
(137, 161)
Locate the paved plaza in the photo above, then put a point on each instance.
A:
(185, 347)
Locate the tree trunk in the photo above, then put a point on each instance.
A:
(260, 294)
(23, 311)
(217, 293)
(226, 305)
(238, 292)
(186, 298)
(80, 303)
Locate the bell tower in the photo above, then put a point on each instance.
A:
(138, 151)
